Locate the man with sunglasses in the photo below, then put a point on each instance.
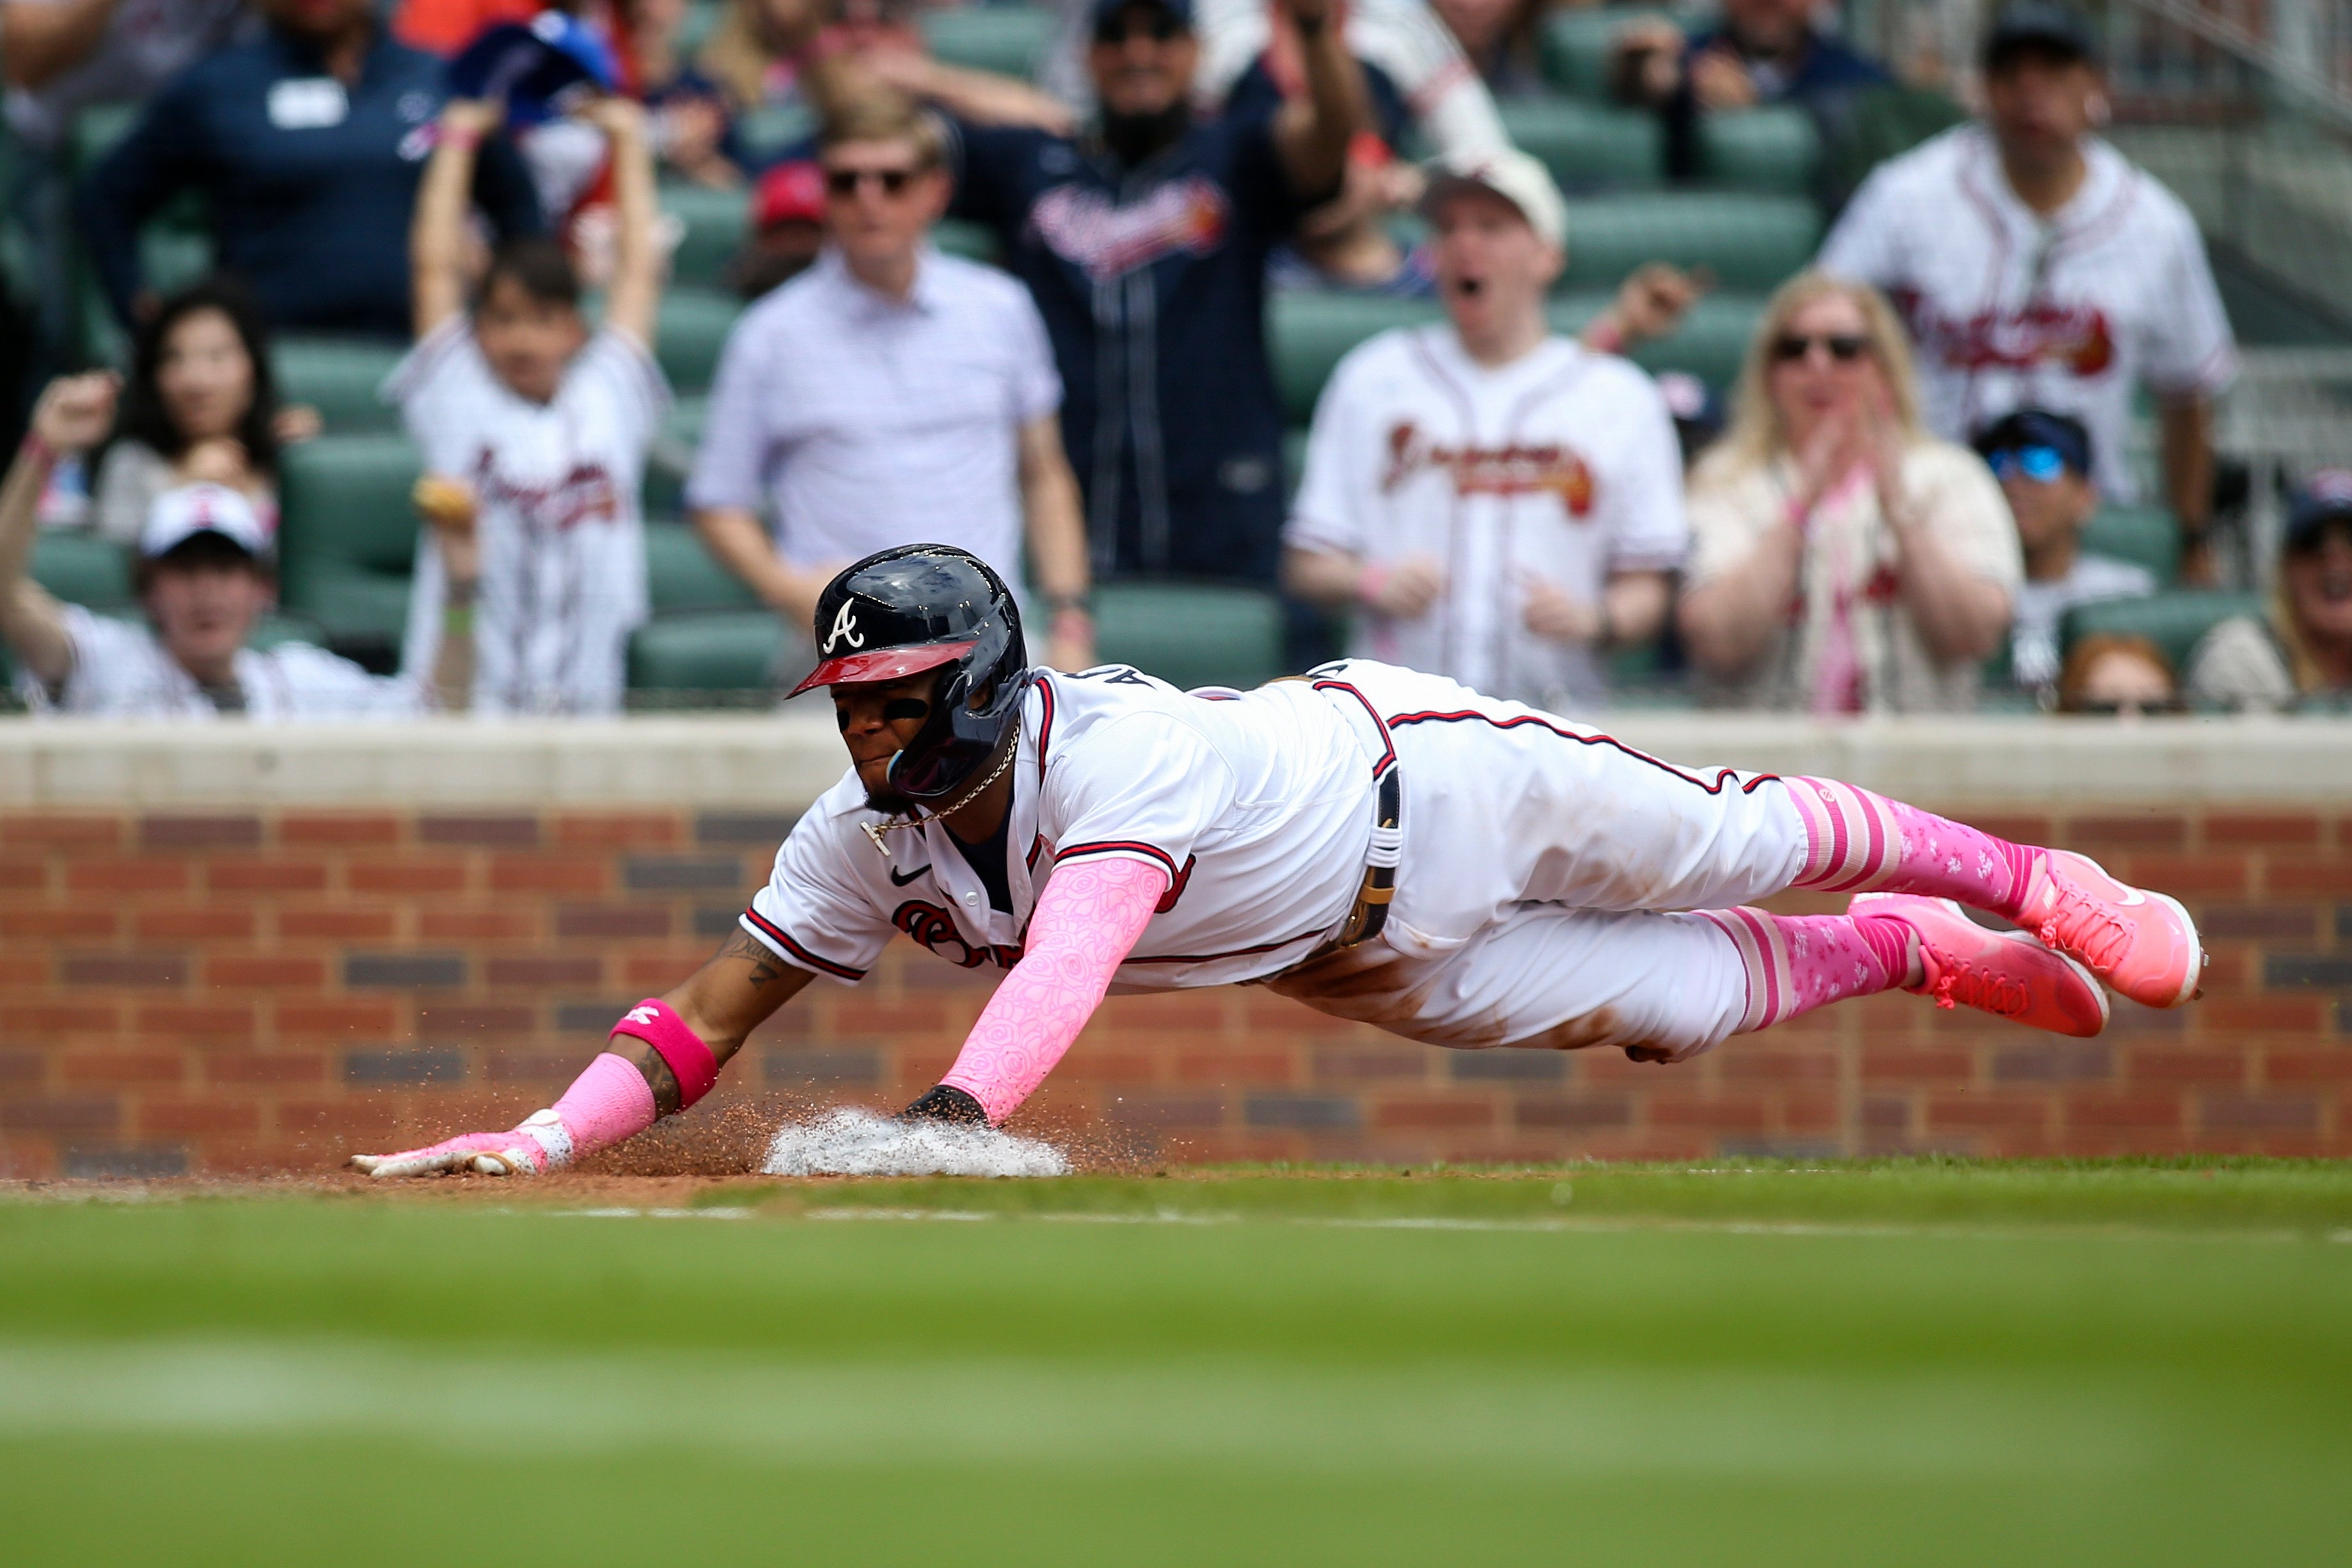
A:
(2043, 463)
(886, 394)
(2037, 268)
(1145, 239)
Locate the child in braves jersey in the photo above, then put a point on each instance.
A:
(534, 430)
(1385, 846)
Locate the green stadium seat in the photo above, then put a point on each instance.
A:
(971, 241)
(347, 540)
(1308, 332)
(82, 568)
(171, 257)
(2145, 536)
(672, 457)
(766, 132)
(1190, 634)
(694, 28)
(1773, 150)
(1746, 241)
(1710, 343)
(1007, 39)
(343, 379)
(682, 657)
(1576, 46)
(682, 577)
(96, 129)
(690, 332)
(2174, 621)
(713, 223)
(1586, 145)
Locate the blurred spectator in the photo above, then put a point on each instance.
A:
(2118, 675)
(204, 578)
(693, 129)
(535, 431)
(59, 58)
(1842, 560)
(1347, 243)
(307, 145)
(786, 229)
(1759, 52)
(890, 395)
(2043, 463)
(201, 405)
(1145, 243)
(1500, 502)
(1498, 37)
(1697, 412)
(2303, 655)
(2038, 268)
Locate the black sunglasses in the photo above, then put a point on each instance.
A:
(845, 182)
(1160, 29)
(1843, 347)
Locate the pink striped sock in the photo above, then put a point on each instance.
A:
(1796, 963)
(1859, 842)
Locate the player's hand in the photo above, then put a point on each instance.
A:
(1558, 617)
(75, 412)
(1403, 589)
(1720, 82)
(942, 1102)
(511, 1152)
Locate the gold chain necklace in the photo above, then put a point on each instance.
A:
(875, 831)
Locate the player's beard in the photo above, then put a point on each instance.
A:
(888, 801)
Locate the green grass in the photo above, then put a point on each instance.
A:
(1897, 1362)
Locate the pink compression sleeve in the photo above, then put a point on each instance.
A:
(1090, 915)
(607, 1103)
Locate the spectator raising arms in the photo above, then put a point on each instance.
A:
(1500, 504)
(1841, 560)
(2043, 463)
(1145, 242)
(201, 405)
(888, 395)
(307, 145)
(2301, 656)
(204, 577)
(2038, 268)
(535, 431)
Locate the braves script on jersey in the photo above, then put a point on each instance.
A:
(1559, 466)
(2011, 310)
(556, 487)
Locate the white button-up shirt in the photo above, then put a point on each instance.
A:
(858, 421)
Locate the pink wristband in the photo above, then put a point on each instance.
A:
(690, 1060)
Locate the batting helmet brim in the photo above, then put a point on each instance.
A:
(881, 665)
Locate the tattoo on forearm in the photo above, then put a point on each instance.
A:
(744, 945)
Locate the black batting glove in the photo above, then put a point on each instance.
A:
(941, 1104)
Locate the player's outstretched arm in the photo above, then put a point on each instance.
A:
(664, 1055)
(1089, 919)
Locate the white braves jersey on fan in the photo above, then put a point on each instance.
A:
(121, 670)
(2009, 310)
(556, 487)
(1559, 466)
(1258, 807)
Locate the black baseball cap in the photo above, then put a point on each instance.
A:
(1103, 12)
(2325, 498)
(2063, 433)
(2046, 24)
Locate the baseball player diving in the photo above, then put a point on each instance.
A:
(1385, 846)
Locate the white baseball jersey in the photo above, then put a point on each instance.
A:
(1536, 858)
(556, 489)
(121, 671)
(1561, 466)
(2009, 310)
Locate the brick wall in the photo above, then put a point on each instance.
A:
(239, 991)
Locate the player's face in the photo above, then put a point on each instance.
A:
(1491, 264)
(2048, 510)
(204, 612)
(1142, 60)
(204, 376)
(2039, 104)
(879, 199)
(527, 340)
(2319, 584)
(1815, 384)
(879, 720)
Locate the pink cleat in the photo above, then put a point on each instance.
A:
(2006, 973)
(2143, 944)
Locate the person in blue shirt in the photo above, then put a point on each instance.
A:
(307, 144)
(1144, 238)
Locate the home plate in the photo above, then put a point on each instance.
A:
(860, 1143)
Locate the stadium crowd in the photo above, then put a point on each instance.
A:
(1034, 312)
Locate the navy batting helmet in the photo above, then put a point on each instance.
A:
(928, 607)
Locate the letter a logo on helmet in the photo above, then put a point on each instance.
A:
(928, 607)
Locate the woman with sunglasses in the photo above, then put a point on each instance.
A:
(1842, 562)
